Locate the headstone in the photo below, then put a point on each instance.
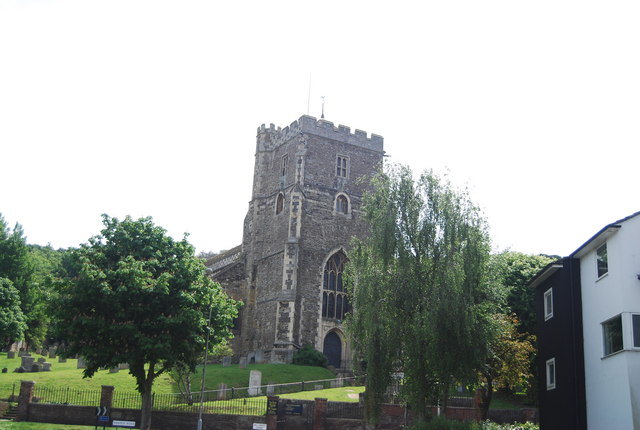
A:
(81, 363)
(38, 351)
(243, 363)
(27, 362)
(114, 370)
(123, 366)
(5, 370)
(41, 360)
(271, 389)
(52, 352)
(318, 387)
(259, 356)
(226, 361)
(46, 367)
(255, 380)
(11, 354)
(61, 359)
(222, 391)
(35, 367)
(22, 353)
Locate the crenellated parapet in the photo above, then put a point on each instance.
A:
(269, 138)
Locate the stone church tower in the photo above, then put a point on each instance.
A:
(304, 210)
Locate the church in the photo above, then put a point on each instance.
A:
(308, 183)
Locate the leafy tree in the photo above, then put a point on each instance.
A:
(12, 325)
(17, 265)
(507, 364)
(421, 297)
(141, 298)
(515, 270)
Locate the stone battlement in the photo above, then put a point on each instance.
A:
(271, 137)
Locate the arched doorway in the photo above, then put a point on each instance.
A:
(332, 348)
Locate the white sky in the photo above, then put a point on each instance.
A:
(151, 107)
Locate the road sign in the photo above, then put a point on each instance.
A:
(101, 411)
(119, 423)
(259, 426)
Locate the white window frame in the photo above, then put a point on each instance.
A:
(604, 335)
(606, 253)
(635, 345)
(551, 364)
(548, 304)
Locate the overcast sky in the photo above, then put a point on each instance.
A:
(150, 108)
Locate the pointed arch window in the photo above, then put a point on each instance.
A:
(279, 203)
(335, 302)
(342, 204)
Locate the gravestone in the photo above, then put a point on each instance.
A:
(61, 359)
(27, 362)
(271, 389)
(255, 380)
(38, 351)
(11, 354)
(46, 367)
(123, 366)
(41, 360)
(81, 363)
(243, 363)
(222, 391)
(52, 352)
(114, 370)
(5, 370)
(22, 352)
(318, 387)
(226, 361)
(259, 356)
(35, 367)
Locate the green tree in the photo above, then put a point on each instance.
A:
(141, 298)
(17, 265)
(422, 301)
(515, 270)
(507, 364)
(12, 325)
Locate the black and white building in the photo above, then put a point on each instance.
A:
(588, 319)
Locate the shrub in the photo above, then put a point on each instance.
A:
(441, 423)
(308, 356)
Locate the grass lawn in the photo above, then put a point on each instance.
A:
(9, 425)
(68, 375)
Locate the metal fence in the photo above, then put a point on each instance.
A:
(66, 396)
(349, 410)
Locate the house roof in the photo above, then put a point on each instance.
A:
(606, 232)
(597, 239)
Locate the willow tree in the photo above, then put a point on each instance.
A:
(422, 303)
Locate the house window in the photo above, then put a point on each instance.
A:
(283, 169)
(551, 374)
(279, 203)
(342, 204)
(548, 304)
(612, 335)
(335, 304)
(635, 319)
(342, 165)
(602, 261)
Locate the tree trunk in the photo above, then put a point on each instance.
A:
(486, 396)
(147, 400)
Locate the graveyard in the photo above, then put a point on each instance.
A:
(66, 373)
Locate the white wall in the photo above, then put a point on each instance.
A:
(609, 380)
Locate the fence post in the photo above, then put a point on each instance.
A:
(106, 396)
(319, 414)
(24, 398)
(272, 416)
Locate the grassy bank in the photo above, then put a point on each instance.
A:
(68, 375)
